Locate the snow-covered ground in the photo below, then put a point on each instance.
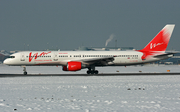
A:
(159, 93)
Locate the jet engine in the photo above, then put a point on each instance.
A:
(72, 66)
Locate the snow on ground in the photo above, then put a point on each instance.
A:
(91, 93)
(159, 93)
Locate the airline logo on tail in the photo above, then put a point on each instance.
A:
(153, 45)
(158, 43)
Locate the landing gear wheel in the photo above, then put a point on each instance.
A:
(88, 72)
(24, 69)
(25, 73)
(92, 72)
(96, 72)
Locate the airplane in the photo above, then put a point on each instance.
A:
(77, 60)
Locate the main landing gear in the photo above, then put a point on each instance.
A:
(24, 69)
(91, 70)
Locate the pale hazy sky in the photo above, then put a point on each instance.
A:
(68, 24)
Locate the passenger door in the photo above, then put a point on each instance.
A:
(22, 57)
(55, 56)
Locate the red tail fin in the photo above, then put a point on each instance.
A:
(161, 40)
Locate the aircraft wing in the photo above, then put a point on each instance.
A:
(99, 60)
(94, 60)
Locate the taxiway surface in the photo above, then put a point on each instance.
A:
(109, 74)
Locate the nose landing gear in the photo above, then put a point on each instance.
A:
(24, 69)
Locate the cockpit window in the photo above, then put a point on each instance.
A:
(12, 57)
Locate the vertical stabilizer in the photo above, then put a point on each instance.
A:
(161, 40)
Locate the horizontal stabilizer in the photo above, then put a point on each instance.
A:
(168, 55)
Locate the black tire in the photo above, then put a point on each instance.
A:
(88, 72)
(96, 72)
(25, 73)
(92, 72)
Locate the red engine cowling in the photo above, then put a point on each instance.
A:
(72, 66)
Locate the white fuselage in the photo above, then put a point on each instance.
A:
(55, 58)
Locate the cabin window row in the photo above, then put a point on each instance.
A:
(91, 56)
(110, 55)
(63, 55)
(97, 55)
(127, 56)
(38, 56)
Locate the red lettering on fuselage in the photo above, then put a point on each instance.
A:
(35, 56)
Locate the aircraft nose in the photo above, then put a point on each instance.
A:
(6, 62)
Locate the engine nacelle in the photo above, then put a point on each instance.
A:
(72, 66)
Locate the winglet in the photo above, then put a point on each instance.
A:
(161, 40)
